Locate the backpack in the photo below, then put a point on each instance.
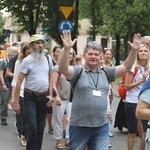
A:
(121, 88)
(73, 86)
(79, 75)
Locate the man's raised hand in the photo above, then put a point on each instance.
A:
(135, 45)
(66, 39)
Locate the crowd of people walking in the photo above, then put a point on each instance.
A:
(38, 87)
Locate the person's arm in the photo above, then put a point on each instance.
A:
(108, 108)
(108, 100)
(9, 72)
(55, 76)
(126, 66)
(64, 58)
(4, 87)
(16, 73)
(50, 96)
(129, 84)
(143, 110)
(15, 104)
(14, 81)
(10, 66)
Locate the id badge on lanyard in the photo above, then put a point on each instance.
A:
(96, 93)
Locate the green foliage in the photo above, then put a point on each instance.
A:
(31, 15)
(119, 18)
(107, 17)
(28, 14)
(53, 17)
(126, 16)
(84, 9)
(2, 22)
(92, 10)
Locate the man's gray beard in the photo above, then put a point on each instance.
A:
(38, 54)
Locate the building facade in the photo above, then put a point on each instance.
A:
(82, 39)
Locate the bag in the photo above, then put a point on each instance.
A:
(121, 88)
(72, 88)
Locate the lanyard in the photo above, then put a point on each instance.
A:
(96, 84)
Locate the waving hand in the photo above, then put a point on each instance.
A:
(66, 39)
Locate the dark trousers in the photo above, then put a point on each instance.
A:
(120, 117)
(23, 117)
(36, 111)
(4, 98)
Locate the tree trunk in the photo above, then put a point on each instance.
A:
(76, 18)
(117, 49)
(93, 20)
(32, 31)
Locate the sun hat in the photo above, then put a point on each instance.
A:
(36, 37)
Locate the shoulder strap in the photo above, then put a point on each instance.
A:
(106, 72)
(135, 72)
(48, 61)
(78, 76)
(47, 58)
(73, 86)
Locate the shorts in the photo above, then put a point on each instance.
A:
(132, 121)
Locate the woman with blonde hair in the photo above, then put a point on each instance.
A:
(11, 51)
(61, 102)
(133, 84)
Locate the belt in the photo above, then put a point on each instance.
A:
(35, 93)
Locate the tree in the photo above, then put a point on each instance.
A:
(119, 19)
(2, 22)
(124, 19)
(54, 16)
(91, 10)
(31, 15)
(28, 14)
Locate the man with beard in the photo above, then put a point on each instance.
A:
(36, 69)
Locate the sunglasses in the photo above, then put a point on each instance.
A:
(93, 44)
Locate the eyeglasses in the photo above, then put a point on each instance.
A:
(93, 44)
